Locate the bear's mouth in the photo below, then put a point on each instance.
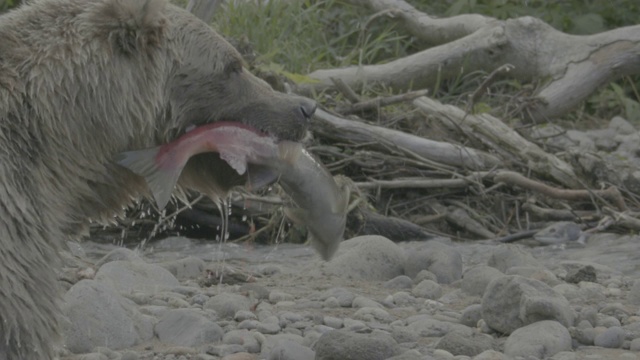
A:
(239, 124)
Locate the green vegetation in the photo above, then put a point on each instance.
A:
(293, 37)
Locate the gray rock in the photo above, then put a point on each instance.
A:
(611, 338)
(361, 302)
(367, 257)
(584, 273)
(635, 345)
(490, 355)
(93, 356)
(410, 355)
(373, 314)
(427, 289)
(424, 275)
(559, 233)
(512, 301)
(244, 338)
(341, 344)
(188, 268)
(127, 277)
(254, 290)
(583, 335)
(461, 343)
(621, 126)
(99, 316)
(402, 298)
(603, 272)
(343, 296)
(541, 340)
(535, 273)
(476, 279)
(399, 282)
(442, 260)
(403, 334)
(226, 305)
(268, 328)
(507, 255)
(333, 322)
(471, 315)
(429, 327)
(270, 342)
(277, 296)
(187, 327)
(118, 254)
(291, 350)
(224, 351)
(634, 293)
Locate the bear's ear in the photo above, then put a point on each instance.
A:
(131, 25)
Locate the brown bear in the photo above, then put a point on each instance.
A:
(84, 80)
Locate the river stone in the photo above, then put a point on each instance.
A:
(341, 344)
(188, 268)
(226, 304)
(368, 257)
(118, 254)
(291, 350)
(244, 338)
(429, 327)
(471, 315)
(271, 342)
(611, 338)
(540, 340)
(99, 316)
(513, 301)
(490, 355)
(127, 277)
(584, 273)
(187, 327)
(634, 293)
(461, 343)
(476, 279)
(427, 289)
(440, 259)
(506, 256)
(399, 282)
(536, 273)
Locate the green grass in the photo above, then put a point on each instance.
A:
(302, 36)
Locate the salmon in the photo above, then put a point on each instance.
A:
(317, 201)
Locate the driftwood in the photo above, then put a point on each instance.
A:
(575, 65)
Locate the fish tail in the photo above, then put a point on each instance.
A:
(160, 180)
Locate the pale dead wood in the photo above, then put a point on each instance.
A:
(417, 183)
(560, 214)
(502, 138)
(575, 65)
(441, 152)
(379, 102)
(611, 194)
(430, 30)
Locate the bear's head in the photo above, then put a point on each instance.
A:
(206, 79)
(202, 78)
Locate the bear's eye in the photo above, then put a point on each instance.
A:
(234, 67)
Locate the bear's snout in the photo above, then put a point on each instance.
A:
(307, 108)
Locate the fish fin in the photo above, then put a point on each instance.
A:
(259, 176)
(160, 181)
(326, 249)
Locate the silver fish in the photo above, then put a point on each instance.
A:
(319, 203)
